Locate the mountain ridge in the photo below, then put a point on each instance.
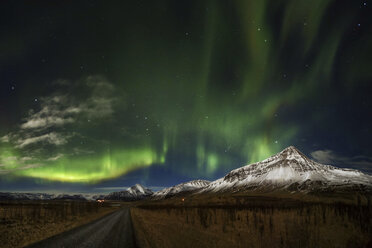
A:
(289, 170)
(134, 193)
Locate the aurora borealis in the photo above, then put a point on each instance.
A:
(156, 92)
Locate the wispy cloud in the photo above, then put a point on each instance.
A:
(330, 157)
(56, 121)
(50, 138)
(55, 158)
(5, 138)
(66, 108)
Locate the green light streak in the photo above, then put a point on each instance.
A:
(91, 169)
(210, 99)
(8, 158)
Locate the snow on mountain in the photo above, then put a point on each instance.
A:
(289, 169)
(40, 196)
(25, 196)
(181, 188)
(136, 192)
(75, 197)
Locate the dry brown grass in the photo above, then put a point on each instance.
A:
(23, 223)
(238, 221)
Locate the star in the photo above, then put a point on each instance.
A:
(35, 99)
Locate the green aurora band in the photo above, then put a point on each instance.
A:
(199, 106)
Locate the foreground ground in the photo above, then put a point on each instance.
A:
(26, 222)
(237, 220)
(113, 230)
(241, 221)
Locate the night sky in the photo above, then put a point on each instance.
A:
(98, 94)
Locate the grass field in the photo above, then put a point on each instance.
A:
(26, 222)
(242, 221)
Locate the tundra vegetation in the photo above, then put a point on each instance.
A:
(241, 221)
(26, 222)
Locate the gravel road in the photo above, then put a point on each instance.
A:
(113, 230)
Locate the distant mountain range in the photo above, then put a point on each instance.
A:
(134, 193)
(42, 196)
(287, 171)
(183, 188)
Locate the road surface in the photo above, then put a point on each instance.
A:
(113, 230)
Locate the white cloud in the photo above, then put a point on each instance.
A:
(51, 138)
(5, 138)
(323, 156)
(49, 121)
(58, 156)
(57, 119)
(331, 158)
(26, 158)
(65, 108)
(29, 166)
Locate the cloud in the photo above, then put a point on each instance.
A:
(5, 138)
(323, 156)
(59, 120)
(65, 107)
(56, 157)
(329, 157)
(50, 138)
(46, 122)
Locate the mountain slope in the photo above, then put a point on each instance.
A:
(291, 170)
(134, 193)
(182, 188)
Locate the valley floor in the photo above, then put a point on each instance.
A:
(23, 223)
(257, 222)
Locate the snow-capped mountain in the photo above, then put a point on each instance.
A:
(136, 192)
(74, 197)
(25, 196)
(41, 196)
(187, 187)
(290, 170)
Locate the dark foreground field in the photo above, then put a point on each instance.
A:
(26, 222)
(212, 221)
(252, 222)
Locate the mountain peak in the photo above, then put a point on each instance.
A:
(289, 166)
(138, 186)
(136, 192)
(290, 153)
(291, 150)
